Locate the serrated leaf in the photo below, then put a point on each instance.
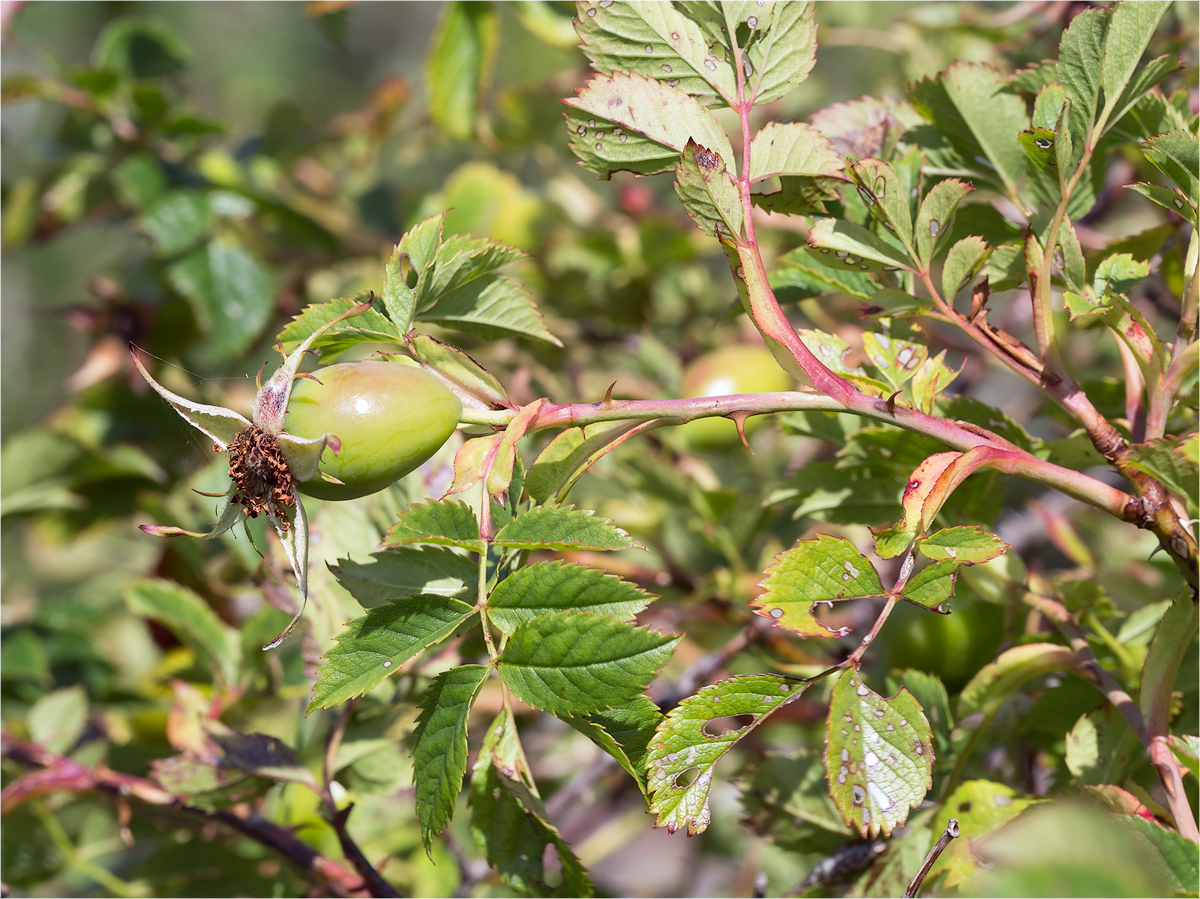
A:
(981, 807)
(576, 663)
(838, 242)
(627, 122)
(1177, 155)
(1175, 853)
(380, 642)
(962, 262)
(930, 380)
(440, 746)
(191, 619)
(1038, 143)
(231, 293)
(885, 197)
(968, 544)
(978, 113)
(822, 570)
(1187, 750)
(562, 587)
(709, 194)
(936, 216)
(459, 370)
(932, 586)
(500, 309)
(794, 150)
(563, 528)
(1098, 749)
(443, 523)
(782, 51)
(655, 40)
(624, 733)
(892, 303)
(808, 275)
(368, 326)
(406, 268)
(1080, 63)
(878, 755)
(684, 746)
(571, 453)
(930, 693)
(896, 359)
(1168, 199)
(510, 823)
(407, 571)
(891, 541)
(1129, 33)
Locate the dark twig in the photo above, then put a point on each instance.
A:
(55, 773)
(950, 833)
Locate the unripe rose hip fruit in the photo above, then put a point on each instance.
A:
(389, 417)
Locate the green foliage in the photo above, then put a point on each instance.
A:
(925, 500)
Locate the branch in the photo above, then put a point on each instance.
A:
(54, 773)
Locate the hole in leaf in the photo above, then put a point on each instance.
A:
(408, 272)
(717, 726)
(858, 795)
(552, 867)
(685, 779)
(964, 807)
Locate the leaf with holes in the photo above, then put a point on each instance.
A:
(685, 749)
(376, 645)
(782, 50)
(878, 755)
(627, 122)
(936, 216)
(823, 570)
(577, 663)
(836, 242)
(896, 359)
(961, 263)
(932, 586)
(709, 194)
(563, 528)
(445, 523)
(931, 379)
(891, 541)
(558, 587)
(440, 746)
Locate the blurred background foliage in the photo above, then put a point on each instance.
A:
(186, 177)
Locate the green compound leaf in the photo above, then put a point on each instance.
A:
(440, 746)
(492, 309)
(368, 326)
(962, 262)
(407, 571)
(191, 619)
(655, 40)
(510, 823)
(444, 523)
(836, 242)
(932, 586)
(627, 122)
(563, 528)
(687, 747)
(558, 587)
(823, 570)
(878, 755)
(576, 663)
(980, 115)
(783, 46)
(624, 733)
(1177, 155)
(709, 194)
(970, 545)
(885, 197)
(937, 215)
(380, 642)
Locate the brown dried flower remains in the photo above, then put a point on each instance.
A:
(263, 480)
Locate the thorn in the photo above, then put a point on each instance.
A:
(891, 403)
(205, 493)
(739, 419)
(258, 377)
(309, 375)
(608, 393)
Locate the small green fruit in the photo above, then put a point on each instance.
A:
(389, 417)
(739, 368)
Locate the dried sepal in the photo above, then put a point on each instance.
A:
(219, 424)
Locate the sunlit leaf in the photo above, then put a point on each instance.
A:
(559, 586)
(562, 528)
(445, 523)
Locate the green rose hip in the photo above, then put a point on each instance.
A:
(389, 418)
